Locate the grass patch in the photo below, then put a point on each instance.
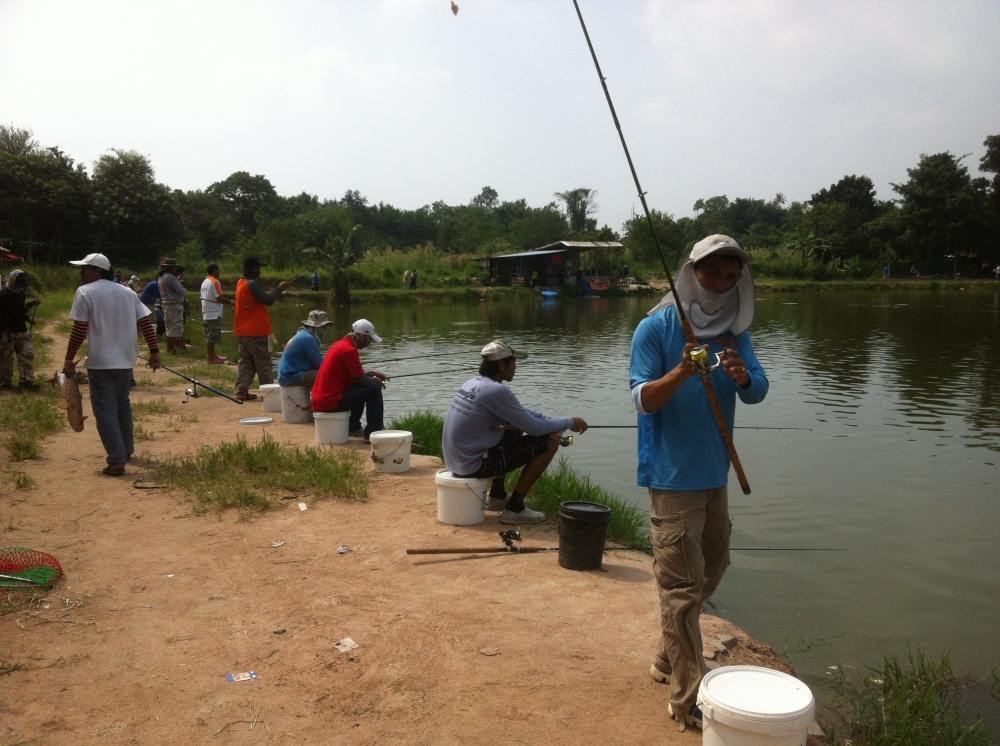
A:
(628, 524)
(915, 700)
(7, 667)
(21, 480)
(253, 476)
(27, 417)
(143, 409)
(426, 427)
(141, 433)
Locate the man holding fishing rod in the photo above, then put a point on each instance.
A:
(683, 460)
(252, 325)
(488, 433)
(106, 315)
(342, 385)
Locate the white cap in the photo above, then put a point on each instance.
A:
(718, 244)
(497, 350)
(364, 326)
(94, 260)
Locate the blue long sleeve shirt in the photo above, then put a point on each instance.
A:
(478, 409)
(302, 353)
(680, 447)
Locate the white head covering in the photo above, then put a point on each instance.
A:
(712, 314)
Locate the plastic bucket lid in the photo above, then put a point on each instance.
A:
(390, 435)
(756, 699)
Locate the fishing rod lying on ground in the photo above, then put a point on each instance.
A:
(700, 361)
(509, 536)
(196, 382)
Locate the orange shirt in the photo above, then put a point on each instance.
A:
(250, 319)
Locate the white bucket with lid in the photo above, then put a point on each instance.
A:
(391, 450)
(295, 406)
(461, 501)
(270, 397)
(753, 706)
(331, 427)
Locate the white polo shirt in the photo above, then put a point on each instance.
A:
(111, 312)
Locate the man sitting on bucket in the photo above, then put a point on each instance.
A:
(343, 386)
(488, 433)
(302, 357)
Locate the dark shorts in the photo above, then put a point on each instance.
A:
(512, 452)
(213, 330)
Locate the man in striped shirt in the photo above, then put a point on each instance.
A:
(105, 315)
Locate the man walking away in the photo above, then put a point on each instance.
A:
(252, 324)
(343, 386)
(301, 359)
(212, 302)
(15, 337)
(105, 315)
(488, 433)
(683, 460)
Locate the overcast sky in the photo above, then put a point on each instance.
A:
(409, 104)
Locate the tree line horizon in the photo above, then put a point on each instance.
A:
(942, 220)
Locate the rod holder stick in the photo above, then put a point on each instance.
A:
(720, 421)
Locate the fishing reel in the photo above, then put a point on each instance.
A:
(192, 392)
(565, 440)
(508, 538)
(701, 359)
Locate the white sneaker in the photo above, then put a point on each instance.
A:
(525, 516)
(496, 503)
(660, 677)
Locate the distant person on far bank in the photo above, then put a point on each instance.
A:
(252, 324)
(106, 316)
(342, 385)
(488, 434)
(683, 460)
(302, 356)
(314, 281)
(213, 301)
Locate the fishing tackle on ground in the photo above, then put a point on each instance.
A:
(197, 383)
(713, 402)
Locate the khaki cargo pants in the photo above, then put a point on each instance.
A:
(255, 358)
(690, 534)
(19, 344)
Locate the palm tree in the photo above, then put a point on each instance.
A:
(579, 204)
(340, 253)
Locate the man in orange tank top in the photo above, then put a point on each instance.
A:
(252, 325)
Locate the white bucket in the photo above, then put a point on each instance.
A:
(331, 427)
(295, 404)
(753, 706)
(270, 397)
(391, 450)
(461, 501)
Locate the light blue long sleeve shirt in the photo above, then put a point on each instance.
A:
(680, 447)
(478, 409)
(302, 353)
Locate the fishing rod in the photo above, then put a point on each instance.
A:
(196, 382)
(457, 370)
(689, 336)
(737, 427)
(421, 357)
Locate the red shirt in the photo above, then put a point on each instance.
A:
(341, 364)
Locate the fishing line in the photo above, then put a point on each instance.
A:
(689, 336)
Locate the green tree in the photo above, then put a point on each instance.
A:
(487, 198)
(580, 205)
(134, 215)
(941, 212)
(641, 246)
(251, 199)
(340, 253)
(16, 141)
(207, 221)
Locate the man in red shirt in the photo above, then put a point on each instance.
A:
(342, 384)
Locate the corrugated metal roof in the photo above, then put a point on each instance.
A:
(534, 252)
(560, 247)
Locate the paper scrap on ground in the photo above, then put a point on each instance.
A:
(343, 549)
(276, 544)
(346, 644)
(489, 652)
(245, 676)
(303, 506)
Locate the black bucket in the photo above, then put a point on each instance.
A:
(582, 529)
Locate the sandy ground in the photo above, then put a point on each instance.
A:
(159, 604)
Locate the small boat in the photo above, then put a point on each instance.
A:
(549, 293)
(599, 284)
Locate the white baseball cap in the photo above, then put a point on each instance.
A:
(364, 326)
(94, 260)
(497, 350)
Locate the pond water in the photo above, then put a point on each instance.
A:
(900, 393)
